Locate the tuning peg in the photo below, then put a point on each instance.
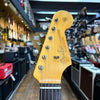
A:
(48, 19)
(44, 27)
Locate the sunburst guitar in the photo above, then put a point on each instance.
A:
(54, 57)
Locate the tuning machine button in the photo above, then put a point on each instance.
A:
(56, 20)
(47, 47)
(44, 57)
(40, 67)
(50, 38)
(53, 28)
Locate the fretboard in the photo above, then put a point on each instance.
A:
(50, 92)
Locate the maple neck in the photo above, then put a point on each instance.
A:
(50, 92)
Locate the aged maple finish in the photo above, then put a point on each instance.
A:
(54, 57)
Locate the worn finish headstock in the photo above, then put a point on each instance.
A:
(54, 56)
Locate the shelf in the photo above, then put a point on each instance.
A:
(94, 54)
(92, 20)
(88, 35)
(21, 11)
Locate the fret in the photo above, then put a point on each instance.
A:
(50, 92)
(50, 87)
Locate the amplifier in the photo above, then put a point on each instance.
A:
(75, 70)
(87, 78)
(10, 56)
(22, 50)
(5, 70)
(97, 87)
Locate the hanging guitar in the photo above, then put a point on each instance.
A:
(54, 57)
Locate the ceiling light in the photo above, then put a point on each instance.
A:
(73, 13)
(91, 1)
(6, 4)
(41, 20)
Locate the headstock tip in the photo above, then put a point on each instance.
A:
(63, 17)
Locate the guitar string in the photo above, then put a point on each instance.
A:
(60, 39)
(56, 55)
(53, 44)
(47, 73)
(45, 79)
(41, 86)
(41, 90)
(48, 91)
(59, 36)
(53, 72)
(49, 70)
(60, 42)
(59, 89)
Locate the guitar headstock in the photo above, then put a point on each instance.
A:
(54, 56)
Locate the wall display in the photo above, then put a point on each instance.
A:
(18, 33)
(4, 34)
(42, 35)
(0, 35)
(10, 34)
(36, 38)
(85, 38)
(24, 40)
(38, 43)
(0, 32)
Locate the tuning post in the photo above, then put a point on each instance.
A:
(50, 38)
(47, 47)
(56, 57)
(53, 28)
(44, 57)
(40, 67)
(56, 19)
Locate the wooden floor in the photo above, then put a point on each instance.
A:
(29, 88)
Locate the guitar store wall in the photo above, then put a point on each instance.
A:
(40, 40)
(4, 24)
(6, 13)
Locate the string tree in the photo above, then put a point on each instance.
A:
(56, 57)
